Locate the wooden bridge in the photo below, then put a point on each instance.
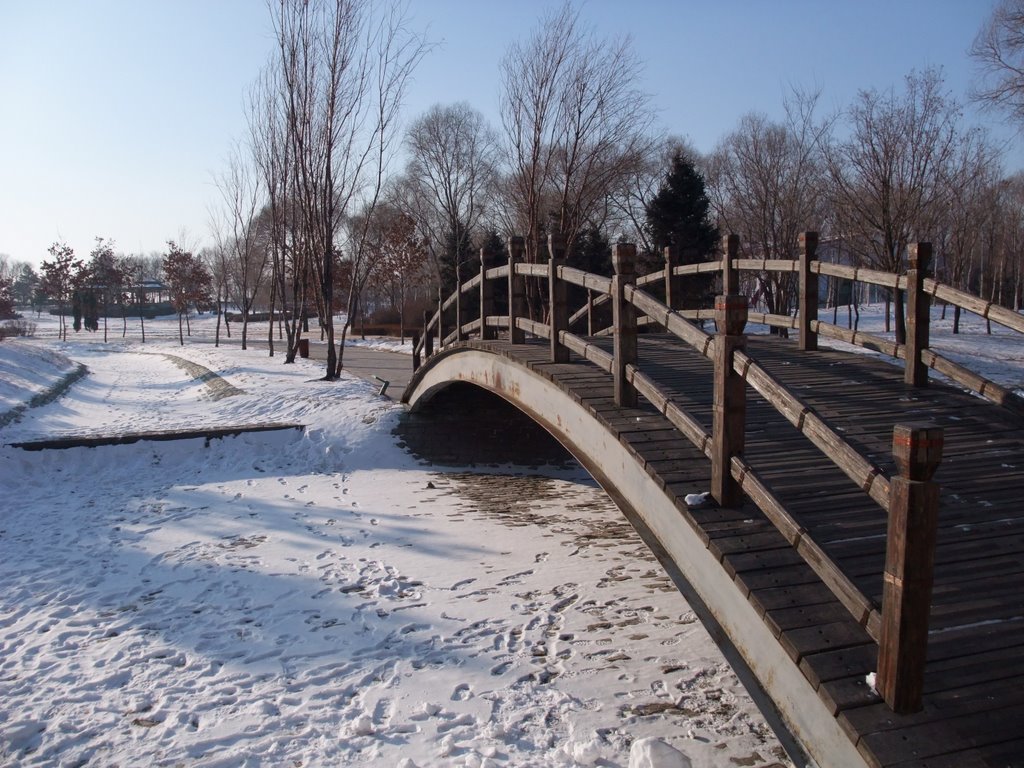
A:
(867, 532)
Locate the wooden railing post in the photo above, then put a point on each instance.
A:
(730, 399)
(558, 305)
(590, 312)
(730, 275)
(417, 360)
(909, 566)
(915, 372)
(808, 292)
(516, 290)
(486, 296)
(673, 282)
(623, 322)
(440, 319)
(428, 335)
(459, 319)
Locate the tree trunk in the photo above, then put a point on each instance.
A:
(220, 313)
(901, 319)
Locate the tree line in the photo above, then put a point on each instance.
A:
(329, 209)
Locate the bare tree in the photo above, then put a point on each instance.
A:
(971, 210)
(999, 51)
(60, 278)
(343, 69)
(453, 158)
(400, 259)
(576, 124)
(108, 275)
(187, 280)
(765, 182)
(886, 176)
(272, 153)
(244, 258)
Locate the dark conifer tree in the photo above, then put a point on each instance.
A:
(679, 216)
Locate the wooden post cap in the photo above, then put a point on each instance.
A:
(624, 258)
(731, 314)
(917, 450)
(809, 241)
(556, 245)
(919, 255)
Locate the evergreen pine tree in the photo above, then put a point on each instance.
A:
(679, 216)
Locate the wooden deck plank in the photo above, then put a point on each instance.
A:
(976, 649)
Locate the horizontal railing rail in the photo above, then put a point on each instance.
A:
(732, 475)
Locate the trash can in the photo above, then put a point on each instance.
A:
(303, 347)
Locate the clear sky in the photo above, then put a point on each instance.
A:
(116, 114)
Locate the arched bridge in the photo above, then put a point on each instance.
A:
(863, 521)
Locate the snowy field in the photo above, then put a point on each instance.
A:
(318, 597)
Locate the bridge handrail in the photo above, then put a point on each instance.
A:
(877, 277)
(588, 280)
(731, 474)
(986, 309)
(861, 607)
(868, 477)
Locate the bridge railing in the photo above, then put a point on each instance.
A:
(910, 499)
(914, 285)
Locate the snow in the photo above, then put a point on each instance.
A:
(319, 597)
(998, 356)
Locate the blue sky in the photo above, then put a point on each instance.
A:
(115, 114)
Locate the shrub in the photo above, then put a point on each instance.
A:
(17, 327)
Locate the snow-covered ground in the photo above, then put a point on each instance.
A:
(319, 597)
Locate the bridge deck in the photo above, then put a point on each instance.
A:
(974, 683)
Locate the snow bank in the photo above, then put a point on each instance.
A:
(321, 598)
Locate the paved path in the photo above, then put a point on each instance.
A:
(364, 362)
(393, 367)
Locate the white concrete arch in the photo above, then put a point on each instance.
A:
(748, 641)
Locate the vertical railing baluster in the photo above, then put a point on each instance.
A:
(459, 319)
(623, 323)
(909, 567)
(558, 306)
(486, 296)
(729, 408)
(915, 371)
(730, 275)
(440, 318)
(808, 284)
(673, 282)
(516, 290)
(428, 335)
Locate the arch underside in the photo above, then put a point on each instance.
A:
(658, 515)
